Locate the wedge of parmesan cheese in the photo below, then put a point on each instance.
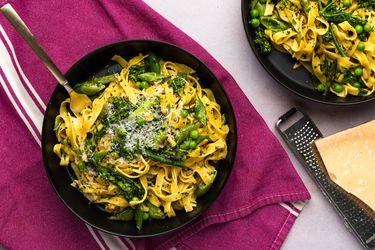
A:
(349, 157)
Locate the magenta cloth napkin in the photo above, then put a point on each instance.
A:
(255, 210)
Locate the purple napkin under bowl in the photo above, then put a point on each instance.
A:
(98, 63)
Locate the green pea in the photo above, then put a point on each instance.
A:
(184, 113)
(141, 121)
(337, 88)
(321, 87)
(358, 71)
(361, 47)
(367, 27)
(255, 22)
(145, 216)
(81, 165)
(347, 3)
(135, 198)
(138, 85)
(185, 145)
(359, 29)
(115, 155)
(194, 134)
(254, 13)
(357, 85)
(192, 144)
(144, 85)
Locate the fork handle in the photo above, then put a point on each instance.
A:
(29, 38)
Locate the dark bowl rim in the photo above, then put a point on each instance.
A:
(256, 53)
(230, 110)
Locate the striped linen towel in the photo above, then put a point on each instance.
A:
(256, 209)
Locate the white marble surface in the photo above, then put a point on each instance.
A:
(217, 26)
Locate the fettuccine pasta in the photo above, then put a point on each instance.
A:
(148, 143)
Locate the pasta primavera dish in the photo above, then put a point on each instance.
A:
(333, 40)
(148, 144)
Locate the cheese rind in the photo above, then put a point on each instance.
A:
(349, 157)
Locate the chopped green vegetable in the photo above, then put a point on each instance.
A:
(126, 215)
(155, 212)
(367, 27)
(136, 70)
(81, 165)
(178, 83)
(305, 5)
(336, 42)
(261, 41)
(151, 77)
(184, 132)
(129, 187)
(368, 4)
(160, 136)
(202, 188)
(58, 124)
(98, 157)
(115, 155)
(273, 23)
(260, 6)
(139, 217)
(154, 63)
(200, 111)
(158, 156)
(94, 85)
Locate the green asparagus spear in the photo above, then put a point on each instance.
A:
(202, 188)
(152, 77)
(129, 187)
(154, 63)
(155, 212)
(162, 158)
(139, 217)
(126, 215)
(273, 24)
(94, 85)
(200, 111)
(185, 132)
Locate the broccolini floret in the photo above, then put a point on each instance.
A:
(261, 41)
(369, 4)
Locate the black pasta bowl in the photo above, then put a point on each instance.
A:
(280, 66)
(98, 63)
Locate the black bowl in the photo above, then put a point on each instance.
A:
(99, 63)
(280, 67)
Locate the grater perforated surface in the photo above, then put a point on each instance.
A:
(358, 217)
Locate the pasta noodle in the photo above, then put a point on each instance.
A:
(328, 38)
(161, 138)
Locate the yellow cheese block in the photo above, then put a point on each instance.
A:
(349, 157)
